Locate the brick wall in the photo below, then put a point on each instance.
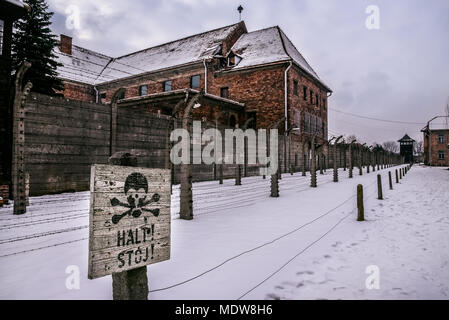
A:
(261, 89)
(79, 91)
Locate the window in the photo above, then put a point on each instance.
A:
(307, 122)
(195, 81)
(324, 103)
(143, 90)
(103, 95)
(316, 99)
(295, 87)
(441, 155)
(2, 26)
(233, 60)
(304, 93)
(166, 86)
(122, 95)
(311, 97)
(297, 118)
(224, 92)
(440, 138)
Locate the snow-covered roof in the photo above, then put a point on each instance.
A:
(82, 65)
(255, 48)
(187, 50)
(93, 68)
(259, 47)
(406, 138)
(268, 46)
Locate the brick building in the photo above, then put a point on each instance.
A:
(436, 144)
(260, 70)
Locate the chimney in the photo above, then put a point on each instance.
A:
(65, 45)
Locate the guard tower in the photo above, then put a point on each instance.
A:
(407, 144)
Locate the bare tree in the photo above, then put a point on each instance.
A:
(391, 146)
(418, 148)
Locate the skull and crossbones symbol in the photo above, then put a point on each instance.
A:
(134, 182)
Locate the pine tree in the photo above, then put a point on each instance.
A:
(34, 42)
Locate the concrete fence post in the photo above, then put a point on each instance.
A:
(379, 187)
(304, 162)
(313, 182)
(186, 194)
(335, 162)
(18, 140)
(238, 175)
(320, 163)
(220, 173)
(274, 186)
(397, 176)
(360, 161)
(360, 207)
(350, 161)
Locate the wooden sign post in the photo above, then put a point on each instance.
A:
(129, 225)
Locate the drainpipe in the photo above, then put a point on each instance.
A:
(286, 112)
(205, 76)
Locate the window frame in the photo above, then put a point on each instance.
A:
(164, 85)
(141, 90)
(441, 154)
(224, 89)
(295, 87)
(199, 81)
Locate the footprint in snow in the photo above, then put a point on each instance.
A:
(304, 272)
(272, 296)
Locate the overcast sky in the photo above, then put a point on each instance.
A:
(399, 72)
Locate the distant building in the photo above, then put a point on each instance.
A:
(406, 148)
(436, 147)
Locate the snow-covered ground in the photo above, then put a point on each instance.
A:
(306, 244)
